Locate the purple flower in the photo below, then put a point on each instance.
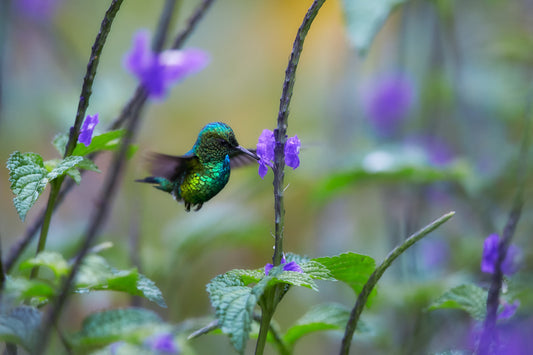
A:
(163, 343)
(39, 10)
(508, 310)
(157, 72)
(387, 101)
(490, 256)
(265, 151)
(292, 266)
(87, 129)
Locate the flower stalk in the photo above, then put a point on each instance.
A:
(272, 297)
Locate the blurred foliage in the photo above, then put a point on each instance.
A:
(470, 64)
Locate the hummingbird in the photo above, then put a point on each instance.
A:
(202, 172)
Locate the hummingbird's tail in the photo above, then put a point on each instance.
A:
(159, 182)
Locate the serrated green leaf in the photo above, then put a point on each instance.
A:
(328, 316)
(351, 268)
(316, 270)
(52, 260)
(64, 166)
(95, 274)
(364, 19)
(60, 142)
(293, 278)
(20, 326)
(468, 297)
(234, 304)
(28, 179)
(51, 164)
(106, 141)
(150, 291)
(118, 324)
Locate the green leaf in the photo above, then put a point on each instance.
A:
(365, 18)
(75, 175)
(64, 166)
(88, 164)
(28, 179)
(468, 297)
(351, 268)
(316, 270)
(20, 326)
(95, 274)
(50, 259)
(60, 142)
(106, 141)
(329, 316)
(394, 164)
(118, 324)
(234, 304)
(22, 288)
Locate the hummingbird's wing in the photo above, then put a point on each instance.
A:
(169, 167)
(238, 158)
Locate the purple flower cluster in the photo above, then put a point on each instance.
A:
(292, 266)
(490, 256)
(158, 71)
(265, 151)
(87, 129)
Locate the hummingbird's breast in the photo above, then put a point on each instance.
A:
(204, 181)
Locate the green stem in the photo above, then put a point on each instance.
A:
(376, 275)
(55, 186)
(267, 311)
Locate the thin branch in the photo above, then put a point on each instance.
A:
(376, 275)
(488, 336)
(18, 248)
(191, 23)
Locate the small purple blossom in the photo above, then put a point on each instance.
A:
(508, 310)
(490, 256)
(265, 151)
(157, 72)
(163, 343)
(87, 129)
(292, 266)
(387, 101)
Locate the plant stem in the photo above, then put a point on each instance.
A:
(488, 335)
(55, 186)
(272, 297)
(376, 275)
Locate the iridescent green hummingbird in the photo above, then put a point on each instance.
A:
(202, 172)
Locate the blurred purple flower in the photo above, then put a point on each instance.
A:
(387, 101)
(163, 343)
(87, 129)
(490, 256)
(292, 266)
(508, 310)
(265, 151)
(157, 72)
(38, 10)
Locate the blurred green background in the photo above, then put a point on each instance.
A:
(360, 187)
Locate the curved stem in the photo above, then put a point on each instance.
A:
(376, 275)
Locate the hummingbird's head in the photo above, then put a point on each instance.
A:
(216, 141)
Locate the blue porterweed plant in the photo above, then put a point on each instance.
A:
(36, 285)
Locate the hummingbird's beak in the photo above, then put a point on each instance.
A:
(247, 152)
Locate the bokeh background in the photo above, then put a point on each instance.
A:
(427, 121)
